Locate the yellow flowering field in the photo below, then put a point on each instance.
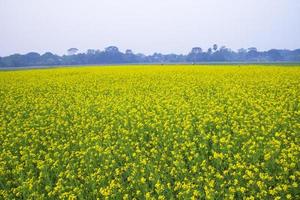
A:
(150, 132)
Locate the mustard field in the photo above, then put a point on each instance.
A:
(150, 132)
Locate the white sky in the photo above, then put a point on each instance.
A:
(166, 26)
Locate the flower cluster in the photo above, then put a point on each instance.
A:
(150, 132)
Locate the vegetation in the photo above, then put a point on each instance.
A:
(113, 55)
(154, 132)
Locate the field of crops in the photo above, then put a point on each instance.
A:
(150, 132)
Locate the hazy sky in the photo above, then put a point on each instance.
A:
(147, 26)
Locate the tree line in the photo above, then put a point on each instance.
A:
(112, 55)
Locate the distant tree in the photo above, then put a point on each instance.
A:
(130, 57)
(242, 51)
(293, 55)
(112, 49)
(112, 54)
(209, 50)
(32, 56)
(72, 51)
(50, 59)
(142, 58)
(223, 48)
(196, 50)
(173, 58)
(98, 51)
(15, 60)
(30, 59)
(128, 51)
(156, 58)
(196, 55)
(253, 54)
(241, 54)
(252, 49)
(215, 47)
(223, 54)
(274, 55)
(91, 51)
